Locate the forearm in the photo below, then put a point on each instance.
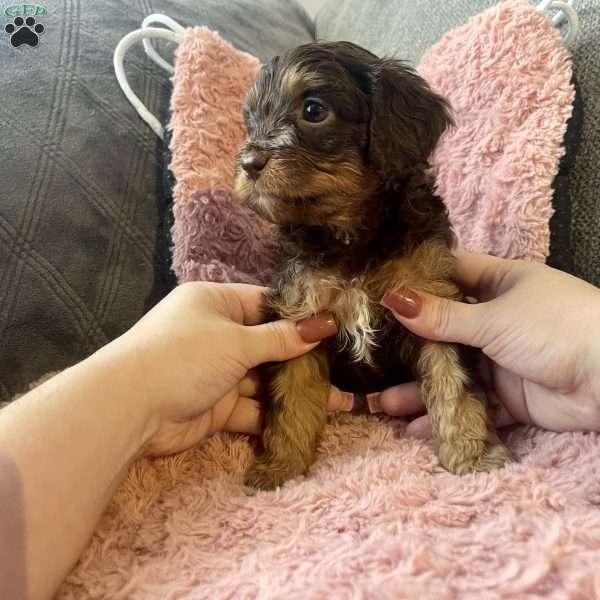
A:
(70, 441)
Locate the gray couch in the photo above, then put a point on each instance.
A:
(81, 195)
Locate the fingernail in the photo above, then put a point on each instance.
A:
(399, 432)
(374, 402)
(403, 302)
(315, 329)
(347, 401)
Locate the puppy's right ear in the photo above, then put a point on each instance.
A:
(407, 119)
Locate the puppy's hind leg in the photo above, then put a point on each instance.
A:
(296, 413)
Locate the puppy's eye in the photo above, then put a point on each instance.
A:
(314, 112)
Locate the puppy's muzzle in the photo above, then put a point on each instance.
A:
(253, 162)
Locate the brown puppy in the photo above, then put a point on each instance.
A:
(336, 158)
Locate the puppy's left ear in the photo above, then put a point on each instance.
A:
(407, 119)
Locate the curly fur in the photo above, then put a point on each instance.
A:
(356, 217)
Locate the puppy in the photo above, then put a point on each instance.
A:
(336, 158)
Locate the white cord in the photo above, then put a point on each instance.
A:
(122, 47)
(149, 48)
(566, 12)
(174, 33)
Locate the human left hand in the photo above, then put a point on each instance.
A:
(191, 356)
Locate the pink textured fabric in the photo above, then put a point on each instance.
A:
(376, 517)
(508, 78)
(214, 239)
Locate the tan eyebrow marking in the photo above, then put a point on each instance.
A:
(295, 80)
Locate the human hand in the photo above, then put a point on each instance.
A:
(538, 333)
(191, 356)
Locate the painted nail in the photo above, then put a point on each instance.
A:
(315, 329)
(374, 402)
(399, 431)
(403, 302)
(347, 401)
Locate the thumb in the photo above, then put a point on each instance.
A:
(439, 319)
(284, 339)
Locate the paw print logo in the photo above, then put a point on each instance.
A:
(24, 31)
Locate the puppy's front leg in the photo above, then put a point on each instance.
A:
(458, 418)
(296, 413)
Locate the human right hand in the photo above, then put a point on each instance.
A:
(539, 334)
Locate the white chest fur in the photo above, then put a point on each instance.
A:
(311, 293)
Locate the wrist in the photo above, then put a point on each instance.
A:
(84, 428)
(123, 393)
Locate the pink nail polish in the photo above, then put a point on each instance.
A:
(347, 401)
(374, 402)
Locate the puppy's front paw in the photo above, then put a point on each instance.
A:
(470, 456)
(267, 476)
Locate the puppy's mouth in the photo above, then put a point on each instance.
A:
(282, 210)
(297, 194)
(274, 205)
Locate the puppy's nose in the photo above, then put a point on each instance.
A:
(254, 162)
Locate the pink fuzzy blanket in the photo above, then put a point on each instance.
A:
(376, 517)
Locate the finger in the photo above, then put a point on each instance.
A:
(250, 385)
(339, 400)
(401, 400)
(440, 319)
(284, 339)
(245, 418)
(419, 428)
(245, 302)
(481, 275)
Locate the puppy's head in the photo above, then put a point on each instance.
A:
(328, 125)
